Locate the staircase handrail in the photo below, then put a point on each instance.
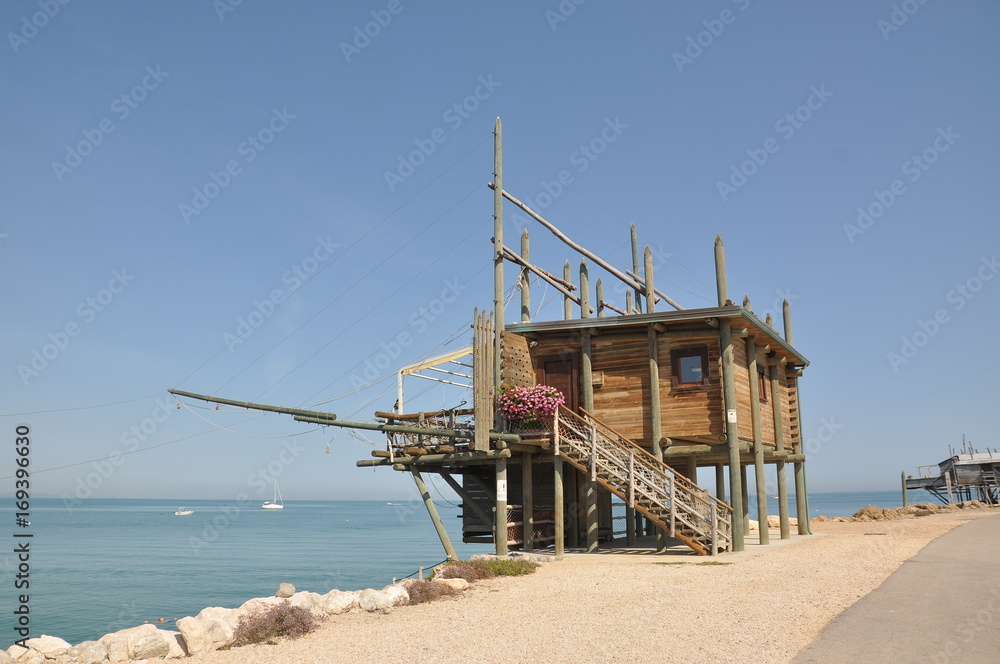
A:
(649, 456)
(682, 510)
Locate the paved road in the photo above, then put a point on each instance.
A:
(941, 606)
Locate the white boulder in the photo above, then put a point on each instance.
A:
(89, 652)
(374, 600)
(454, 584)
(260, 604)
(397, 594)
(311, 602)
(336, 601)
(15, 651)
(139, 642)
(49, 646)
(220, 624)
(195, 634)
(25, 655)
(285, 590)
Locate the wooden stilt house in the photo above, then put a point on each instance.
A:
(652, 391)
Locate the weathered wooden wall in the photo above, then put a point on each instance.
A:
(692, 412)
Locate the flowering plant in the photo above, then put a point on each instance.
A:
(530, 405)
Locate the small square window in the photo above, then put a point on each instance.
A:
(689, 366)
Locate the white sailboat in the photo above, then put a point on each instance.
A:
(275, 504)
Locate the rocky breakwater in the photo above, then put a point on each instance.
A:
(211, 629)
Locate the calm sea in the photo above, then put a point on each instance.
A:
(110, 564)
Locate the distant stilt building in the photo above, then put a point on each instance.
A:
(969, 475)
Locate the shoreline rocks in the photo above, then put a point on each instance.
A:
(213, 628)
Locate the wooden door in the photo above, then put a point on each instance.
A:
(563, 373)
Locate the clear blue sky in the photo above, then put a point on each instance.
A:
(171, 168)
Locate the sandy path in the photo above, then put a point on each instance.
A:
(603, 609)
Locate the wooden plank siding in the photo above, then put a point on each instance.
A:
(622, 401)
(620, 367)
(692, 412)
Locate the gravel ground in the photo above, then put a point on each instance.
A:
(763, 608)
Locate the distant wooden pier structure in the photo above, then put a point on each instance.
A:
(652, 394)
(964, 476)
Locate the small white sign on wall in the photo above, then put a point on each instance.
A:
(501, 489)
(731, 416)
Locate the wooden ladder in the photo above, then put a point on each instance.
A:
(676, 505)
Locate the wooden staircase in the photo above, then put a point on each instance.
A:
(678, 507)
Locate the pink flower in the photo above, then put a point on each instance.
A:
(530, 403)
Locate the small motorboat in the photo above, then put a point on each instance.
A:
(183, 511)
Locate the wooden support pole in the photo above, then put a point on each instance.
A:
(720, 481)
(629, 306)
(498, 289)
(758, 439)
(567, 300)
(650, 288)
(779, 446)
(573, 485)
(587, 397)
(500, 537)
(746, 499)
(635, 269)
(902, 478)
(561, 285)
(786, 310)
(525, 278)
(592, 516)
(528, 501)
(559, 505)
(399, 428)
(720, 271)
(600, 298)
(584, 290)
(732, 428)
(435, 518)
(655, 415)
(801, 510)
(463, 458)
(629, 526)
